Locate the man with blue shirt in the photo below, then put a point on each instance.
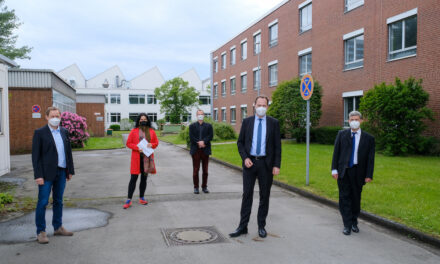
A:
(53, 165)
(259, 145)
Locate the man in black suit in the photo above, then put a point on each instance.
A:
(53, 165)
(200, 134)
(259, 145)
(352, 167)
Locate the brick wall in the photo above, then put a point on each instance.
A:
(330, 23)
(88, 110)
(21, 123)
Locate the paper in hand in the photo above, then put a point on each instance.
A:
(143, 145)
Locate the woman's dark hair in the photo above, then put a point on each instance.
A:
(138, 120)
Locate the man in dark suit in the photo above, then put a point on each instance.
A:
(352, 167)
(53, 165)
(200, 134)
(259, 145)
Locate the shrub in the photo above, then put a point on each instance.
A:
(184, 134)
(126, 124)
(324, 135)
(77, 127)
(429, 146)
(224, 131)
(115, 127)
(5, 198)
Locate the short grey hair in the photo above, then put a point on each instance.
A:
(200, 110)
(355, 113)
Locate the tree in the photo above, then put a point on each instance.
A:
(291, 109)
(394, 114)
(8, 23)
(176, 98)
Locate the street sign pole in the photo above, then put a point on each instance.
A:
(308, 142)
(306, 89)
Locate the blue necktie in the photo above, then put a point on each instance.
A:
(260, 131)
(353, 147)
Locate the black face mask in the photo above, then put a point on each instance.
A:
(144, 123)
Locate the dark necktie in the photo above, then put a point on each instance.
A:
(260, 131)
(353, 147)
(200, 134)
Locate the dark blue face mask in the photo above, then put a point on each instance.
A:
(144, 123)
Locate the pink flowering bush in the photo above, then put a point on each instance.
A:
(77, 126)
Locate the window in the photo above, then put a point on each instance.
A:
(257, 43)
(350, 104)
(354, 52)
(233, 117)
(215, 90)
(273, 35)
(233, 51)
(402, 36)
(232, 85)
(204, 100)
(64, 103)
(305, 64)
(224, 88)
(152, 117)
(133, 116)
(224, 61)
(224, 114)
(244, 50)
(273, 74)
(136, 98)
(215, 114)
(215, 65)
(243, 83)
(305, 17)
(243, 109)
(115, 117)
(352, 4)
(257, 79)
(186, 117)
(208, 115)
(115, 99)
(151, 99)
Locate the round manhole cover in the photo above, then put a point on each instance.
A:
(192, 236)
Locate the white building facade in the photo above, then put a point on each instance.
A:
(127, 98)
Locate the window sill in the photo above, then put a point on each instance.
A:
(273, 85)
(273, 45)
(243, 59)
(243, 92)
(354, 68)
(349, 10)
(406, 57)
(304, 31)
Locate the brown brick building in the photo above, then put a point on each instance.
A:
(91, 106)
(347, 45)
(29, 88)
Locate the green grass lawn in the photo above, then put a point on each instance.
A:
(404, 189)
(106, 142)
(175, 139)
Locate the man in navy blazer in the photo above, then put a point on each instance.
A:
(352, 167)
(259, 145)
(53, 165)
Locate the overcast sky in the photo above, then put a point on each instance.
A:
(174, 35)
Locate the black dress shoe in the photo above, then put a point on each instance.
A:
(355, 228)
(346, 231)
(262, 232)
(205, 190)
(196, 191)
(239, 231)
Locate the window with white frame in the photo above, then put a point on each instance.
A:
(305, 64)
(152, 117)
(243, 82)
(151, 99)
(352, 4)
(215, 114)
(233, 53)
(243, 110)
(233, 116)
(224, 61)
(244, 50)
(273, 35)
(223, 114)
(305, 17)
(136, 98)
(215, 90)
(273, 74)
(354, 50)
(133, 116)
(402, 35)
(257, 78)
(115, 117)
(224, 88)
(215, 66)
(186, 117)
(204, 100)
(257, 43)
(115, 99)
(232, 85)
(351, 103)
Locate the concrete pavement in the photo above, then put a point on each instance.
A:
(300, 230)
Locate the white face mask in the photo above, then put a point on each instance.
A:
(200, 117)
(355, 124)
(54, 121)
(261, 111)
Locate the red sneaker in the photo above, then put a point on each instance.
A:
(127, 204)
(143, 201)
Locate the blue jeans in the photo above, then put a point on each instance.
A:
(57, 186)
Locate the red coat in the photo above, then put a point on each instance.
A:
(132, 141)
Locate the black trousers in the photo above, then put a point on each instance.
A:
(265, 178)
(350, 189)
(196, 158)
(133, 180)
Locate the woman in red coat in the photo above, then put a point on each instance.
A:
(140, 163)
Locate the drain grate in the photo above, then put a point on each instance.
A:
(192, 236)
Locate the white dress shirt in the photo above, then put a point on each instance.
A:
(356, 148)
